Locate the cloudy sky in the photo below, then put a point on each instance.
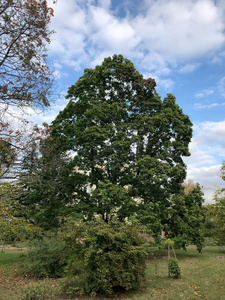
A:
(180, 43)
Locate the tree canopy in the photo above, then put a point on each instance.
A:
(124, 137)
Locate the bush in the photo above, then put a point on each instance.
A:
(40, 291)
(44, 259)
(211, 241)
(102, 257)
(174, 269)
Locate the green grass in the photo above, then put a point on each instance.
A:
(203, 277)
(9, 279)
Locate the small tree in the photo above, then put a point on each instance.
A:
(13, 224)
(173, 266)
(101, 257)
(186, 218)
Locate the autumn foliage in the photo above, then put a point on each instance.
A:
(24, 35)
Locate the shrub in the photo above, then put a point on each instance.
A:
(174, 269)
(211, 241)
(44, 259)
(101, 257)
(40, 291)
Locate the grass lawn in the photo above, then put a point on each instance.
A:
(203, 277)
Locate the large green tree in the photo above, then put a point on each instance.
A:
(125, 140)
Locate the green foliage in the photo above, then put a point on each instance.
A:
(101, 257)
(210, 241)
(210, 222)
(174, 269)
(214, 227)
(13, 224)
(41, 290)
(44, 259)
(49, 183)
(129, 144)
(112, 200)
(169, 243)
(186, 218)
(215, 219)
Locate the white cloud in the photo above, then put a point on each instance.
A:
(154, 62)
(166, 33)
(166, 84)
(111, 33)
(56, 74)
(188, 68)
(181, 29)
(199, 155)
(207, 154)
(57, 65)
(211, 134)
(206, 176)
(204, 93)
(208, 106)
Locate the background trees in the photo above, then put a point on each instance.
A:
(124, 137)
(13, 215)
(47, 182)
(186, 217)
(214, 226)
(217, 216)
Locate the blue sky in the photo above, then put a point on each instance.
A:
(180, 43)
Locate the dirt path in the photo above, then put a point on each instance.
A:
(10, 248)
